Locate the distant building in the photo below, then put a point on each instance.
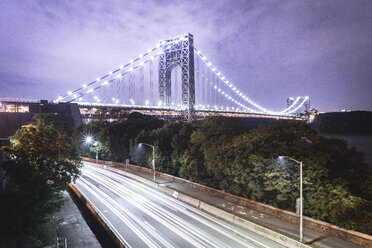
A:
(15, 112)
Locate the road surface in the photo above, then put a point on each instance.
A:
(142, 216)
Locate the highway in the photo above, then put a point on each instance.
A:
(142, 216)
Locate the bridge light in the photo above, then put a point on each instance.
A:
(97, 79)
(98, 100)
(149, 50)
(105, 83)
(142, 64)
(69, 93)
(118, 76)
(121, 67)
(219, 90)
(95, 97)
(90, 90)
(80, 99)
(130, 69)
(113, 98)
(117, 101)
(215, 87)
(84, 85)
(75, 96)
(131, 61)
(110, 72)
(152, 57)
(147, 102)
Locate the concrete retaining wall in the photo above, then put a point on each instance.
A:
(358, 238)
(87, 206)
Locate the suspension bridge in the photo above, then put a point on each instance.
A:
(173, 78)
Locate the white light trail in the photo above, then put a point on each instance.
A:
(156, 206)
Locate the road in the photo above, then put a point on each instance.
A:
(142, 216)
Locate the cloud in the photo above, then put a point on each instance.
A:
(269, 49)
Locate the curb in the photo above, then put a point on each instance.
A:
(94, 214)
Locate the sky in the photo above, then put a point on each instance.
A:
(269, 49)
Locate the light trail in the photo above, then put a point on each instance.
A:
(146, 217)
(185, 209)
(172, 221)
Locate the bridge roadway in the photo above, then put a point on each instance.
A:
(89, 109)
(144, 217)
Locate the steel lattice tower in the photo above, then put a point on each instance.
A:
(178, 52)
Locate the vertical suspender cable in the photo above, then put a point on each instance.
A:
(152, 101)
(175, 94)
(131, 91)
(141, 88)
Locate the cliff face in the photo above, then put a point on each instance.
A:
(355, 122)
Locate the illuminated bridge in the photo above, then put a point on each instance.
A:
(173, 78)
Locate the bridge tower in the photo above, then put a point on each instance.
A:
(178, 52)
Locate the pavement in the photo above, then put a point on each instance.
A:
(70, 225)
(142, 216)
(256, 217)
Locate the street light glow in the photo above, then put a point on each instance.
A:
(88, 139)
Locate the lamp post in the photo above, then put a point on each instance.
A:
(153, 156)
(88, 140)
(301, 199)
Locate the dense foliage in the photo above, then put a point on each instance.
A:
(41, 163)
(226, 154)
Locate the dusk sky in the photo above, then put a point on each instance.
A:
(269, 49)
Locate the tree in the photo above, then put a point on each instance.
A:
(117, 135)
(48, 153)
(42, 162)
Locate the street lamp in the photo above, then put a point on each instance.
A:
(301, 199)
(89, 140)
(153, 156)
